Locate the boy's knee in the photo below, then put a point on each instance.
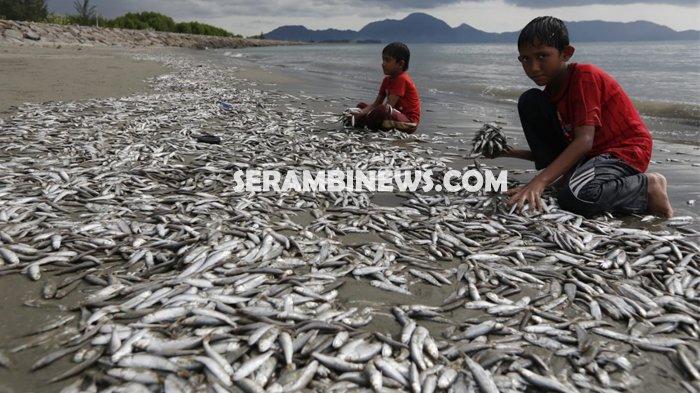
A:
(585, 201)
(566, 198)
(531, 99)
(591, 193)
(381, 112)
(377, 115)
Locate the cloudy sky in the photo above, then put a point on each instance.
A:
(253, 16)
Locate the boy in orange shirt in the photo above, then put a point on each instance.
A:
(397, 105)
(584, 130)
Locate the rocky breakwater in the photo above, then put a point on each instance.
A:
(14, 32)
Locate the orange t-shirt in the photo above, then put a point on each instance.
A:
(402, 86)
(594, 98)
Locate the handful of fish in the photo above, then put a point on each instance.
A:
(489, 141)
(347, 118)
(194, 287)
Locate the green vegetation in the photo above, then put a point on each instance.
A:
(201, 28)
(160, 22)
(34, 10)
(60, 19)
(87, 15)
(144, 21)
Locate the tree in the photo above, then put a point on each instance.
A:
(34, 10)
(144, 20)
(85, 11)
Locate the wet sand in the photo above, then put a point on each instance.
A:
(103, 73)
(36, 74)
(678, 161)
(19, 319)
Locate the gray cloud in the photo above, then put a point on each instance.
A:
(413, 4)
(192, 9)
(568, 3)
(428, 4)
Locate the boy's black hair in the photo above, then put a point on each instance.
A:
(398, 51)
(545, 30)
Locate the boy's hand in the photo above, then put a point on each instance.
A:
(490, 156)
(530, 193)
(505, 153)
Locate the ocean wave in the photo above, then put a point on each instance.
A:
(672, 110)
(501, 92)
(664, 109)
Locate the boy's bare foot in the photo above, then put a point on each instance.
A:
(659, 204)
(400, 126)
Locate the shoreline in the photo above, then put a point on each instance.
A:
(669, 118)
(135, 163)
(677, 159)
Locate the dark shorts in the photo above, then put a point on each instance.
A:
(603, 184)
(600, 184)
(374, 118)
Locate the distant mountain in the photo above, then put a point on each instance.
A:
(301, 33)
(420, 27)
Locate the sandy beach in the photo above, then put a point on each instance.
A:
(80, 77)
(38, 74)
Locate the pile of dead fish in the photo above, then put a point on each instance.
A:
(489, 141)
(196, 287)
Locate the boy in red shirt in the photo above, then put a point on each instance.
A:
(397, 105)
(584, 129)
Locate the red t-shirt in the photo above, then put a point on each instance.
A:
(402, 86)
(594, 98)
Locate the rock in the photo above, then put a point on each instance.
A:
(14, 32)
(10, 33)
(31, 35)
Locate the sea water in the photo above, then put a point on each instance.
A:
(663, 78)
